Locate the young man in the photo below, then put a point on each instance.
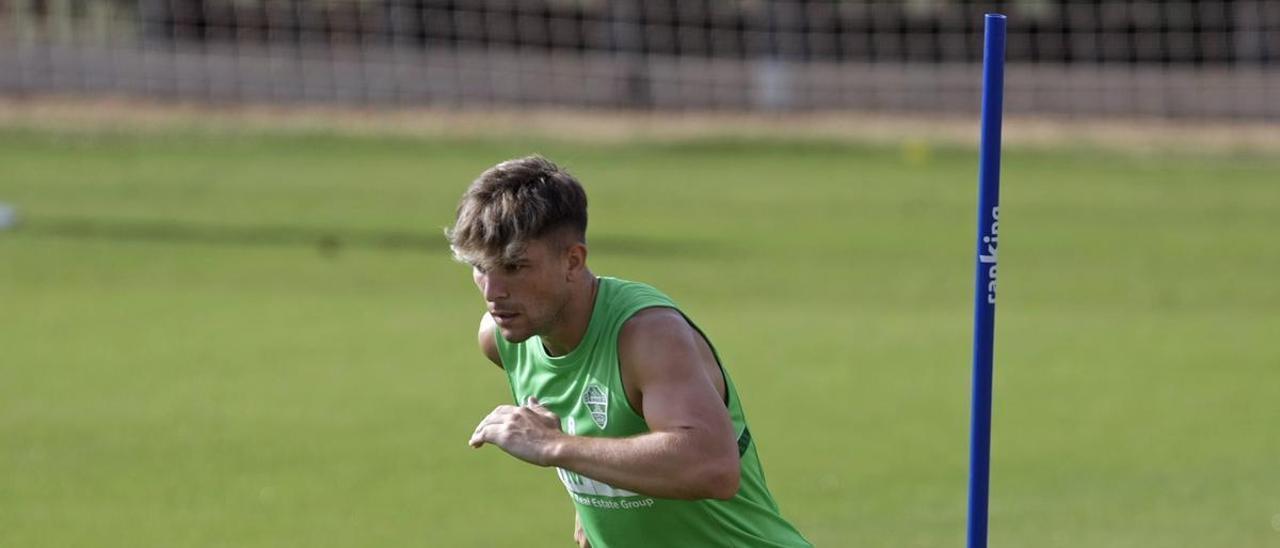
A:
(613, 385)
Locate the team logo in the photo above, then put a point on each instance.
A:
(597, 401)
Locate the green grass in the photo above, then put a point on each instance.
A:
(164, 389)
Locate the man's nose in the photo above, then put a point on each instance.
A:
(494, 290)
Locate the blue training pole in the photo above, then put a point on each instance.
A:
(984, 303)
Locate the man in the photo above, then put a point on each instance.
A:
(613, 385)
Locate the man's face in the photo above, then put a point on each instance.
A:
(526, 296)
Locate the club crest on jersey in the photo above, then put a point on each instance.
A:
(597, 401)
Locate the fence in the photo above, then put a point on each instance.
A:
(1189, 59)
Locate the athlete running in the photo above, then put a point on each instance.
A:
(612, 384)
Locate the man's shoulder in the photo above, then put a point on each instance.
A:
(488, 339)
(639, 309)
(632, 294)
(654, 319)
(623, 285)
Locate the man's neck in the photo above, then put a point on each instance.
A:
(575, 318)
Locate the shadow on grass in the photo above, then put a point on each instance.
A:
(327, 241)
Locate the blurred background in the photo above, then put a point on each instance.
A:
(1192, 59)
(228, 316)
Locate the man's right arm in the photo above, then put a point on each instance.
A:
(488, 345)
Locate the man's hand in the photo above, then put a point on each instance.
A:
(527, 432)
(579, 536)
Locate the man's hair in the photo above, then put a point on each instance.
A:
(513, 203)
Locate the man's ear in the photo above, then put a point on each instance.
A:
(576, 255)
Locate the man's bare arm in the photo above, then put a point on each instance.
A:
(690, 451)
(488, 345)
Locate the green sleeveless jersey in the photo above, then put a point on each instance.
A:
(584, 387)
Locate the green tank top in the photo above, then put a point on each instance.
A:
(584, 387)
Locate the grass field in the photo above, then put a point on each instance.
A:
(260, 341)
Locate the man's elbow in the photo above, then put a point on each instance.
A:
(721, 478)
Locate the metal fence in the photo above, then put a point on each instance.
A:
(1180, 59)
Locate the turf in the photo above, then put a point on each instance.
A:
(260, 340)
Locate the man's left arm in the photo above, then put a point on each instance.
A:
(690, 451)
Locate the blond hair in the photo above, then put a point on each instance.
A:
(513, 203)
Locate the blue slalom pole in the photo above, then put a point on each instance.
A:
(984, 300)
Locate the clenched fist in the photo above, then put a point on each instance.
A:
(528, 432)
